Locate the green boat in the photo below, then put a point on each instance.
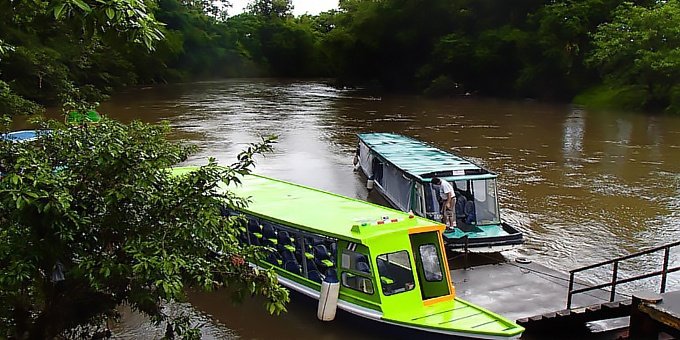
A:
(368, 260)
(401, 169)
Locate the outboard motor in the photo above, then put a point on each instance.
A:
(328, 300)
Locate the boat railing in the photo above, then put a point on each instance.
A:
(615, 280)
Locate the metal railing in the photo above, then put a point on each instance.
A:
(615, 273)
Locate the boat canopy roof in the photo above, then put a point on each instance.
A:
(318, 211)
(421, 160)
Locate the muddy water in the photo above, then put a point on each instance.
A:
(582, 186)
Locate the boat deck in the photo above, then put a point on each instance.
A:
(512, 289)
(477, 231)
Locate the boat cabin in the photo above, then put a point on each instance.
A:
(402, 169)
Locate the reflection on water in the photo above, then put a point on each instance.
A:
(582, 186)
(574, 128)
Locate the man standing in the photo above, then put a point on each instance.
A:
(447, 201)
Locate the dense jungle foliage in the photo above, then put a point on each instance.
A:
(596, 52)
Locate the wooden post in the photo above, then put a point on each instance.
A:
(615, 277)
(664, 270)
(571, 288)
(641, 325)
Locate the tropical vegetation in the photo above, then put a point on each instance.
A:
(90, 218)
(66, 52)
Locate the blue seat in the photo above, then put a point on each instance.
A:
(363, 267)
(321, 256)
(284, 237)
(331, 276)
(254, 232)
(315, 276)
(274, 258)
(243, 237)
(289, 262)
(314, 241)
(362, 262)
(268, 235)
(268, 231)
(470, 213)
(293, 267)
(287, 255)
(284, 241)
(254, 226)
(307, 252)
(313, 272)
(386, 277)
(461, 201)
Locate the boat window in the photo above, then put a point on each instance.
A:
(314, 255)
(357, 282)
(356, 268)
(431, 265)
(309, 255)
(395, 272)
(485, 206)
(431, 204)
(355, 261)
(461, 185)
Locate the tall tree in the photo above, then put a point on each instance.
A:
(640, 50)
(271, 9)
(45, 43)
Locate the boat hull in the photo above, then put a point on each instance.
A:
(486, 244)
(371, 322)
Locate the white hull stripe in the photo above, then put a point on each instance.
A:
(377, 316)
(344, 305)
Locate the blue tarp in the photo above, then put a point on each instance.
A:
(17, 136)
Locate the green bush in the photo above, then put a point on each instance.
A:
(631, 97)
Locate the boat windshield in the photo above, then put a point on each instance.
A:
(485, 202)
(395, 272)
(476, 202)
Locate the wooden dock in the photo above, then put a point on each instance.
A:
(654, 315)
(532, 294)
(513, 289)
(541, 299)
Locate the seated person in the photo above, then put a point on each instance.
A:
(461, 201)
(470, 212)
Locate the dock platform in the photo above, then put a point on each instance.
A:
(532, 294)
(652, 314)
(514, 289)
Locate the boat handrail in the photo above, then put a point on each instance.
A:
(615, 268)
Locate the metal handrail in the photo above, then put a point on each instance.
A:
(615, 272)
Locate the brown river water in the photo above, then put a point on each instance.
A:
(582, 186)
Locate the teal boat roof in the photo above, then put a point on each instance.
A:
(319, 211)
(420, 159)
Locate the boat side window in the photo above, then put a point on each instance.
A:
(431, 265)
(312, 254)
(356, 271)
(396, 275)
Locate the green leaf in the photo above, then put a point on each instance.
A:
(58, 10)
(110, 13)
(82, 5)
